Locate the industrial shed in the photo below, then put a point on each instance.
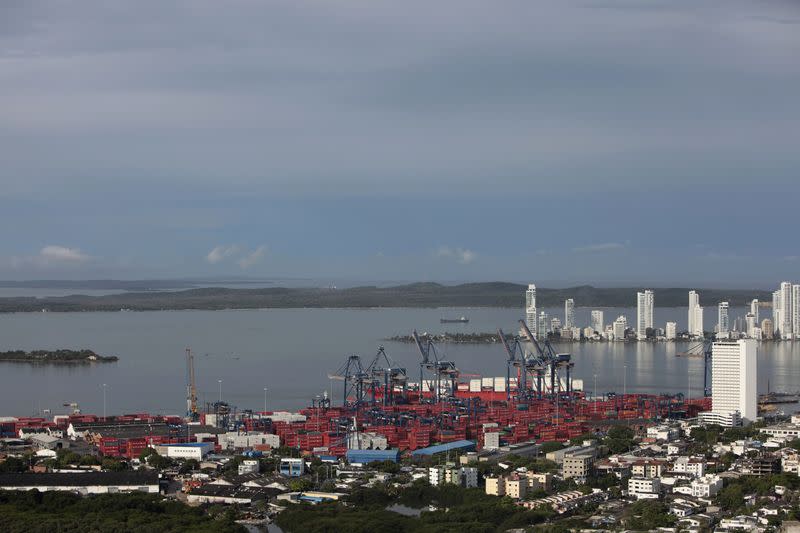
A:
(370, 456)
(458, 446)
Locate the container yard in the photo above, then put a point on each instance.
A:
(382, 408)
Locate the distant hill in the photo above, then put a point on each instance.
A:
(492, 294)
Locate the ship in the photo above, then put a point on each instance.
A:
(461, 320)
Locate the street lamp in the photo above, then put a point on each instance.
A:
(265, 400)
(220, 390)
(625, 382)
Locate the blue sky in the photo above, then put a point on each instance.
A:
(607, 142)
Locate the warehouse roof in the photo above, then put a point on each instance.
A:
(29, 479)
(449, 446)
(368, 456)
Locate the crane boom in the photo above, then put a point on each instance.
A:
(422, 349)
(191, 387)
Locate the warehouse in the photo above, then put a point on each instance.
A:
(456, 446)
(83, 483)
(364, 457)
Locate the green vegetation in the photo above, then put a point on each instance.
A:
(552, 446)
(731, 497)
(493, 294)
(64, 512)
(56, 356)
(646, 515)
(459, 510)
(619, 439)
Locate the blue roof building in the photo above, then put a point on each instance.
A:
(459, 445)
(370, 456)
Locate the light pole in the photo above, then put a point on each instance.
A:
(265, 400)
(220, 390)
(625, 382)
(104, 400)
(595, 393)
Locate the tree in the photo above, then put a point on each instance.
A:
(551, 446)
(731, 497)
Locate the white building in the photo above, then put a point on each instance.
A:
(620, 325)
(671, 331)
(733, 383)
(248, 466)
(541, 328)
(786, 310)
(690, 465)
(723, 323)
(531, 316)
(645, 302)
(569, 313)
(83, 483)
(750, 318)
(641, 487)
(597, 321)
(694, 303)
(754, 309)
(777, 318)
(188, 450)
(706, 486)
(796, 310)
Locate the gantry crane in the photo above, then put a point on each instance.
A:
(441, 368)
(702, 349)
(388, 376)
(356, 381)
(554, 361)
(191, 387)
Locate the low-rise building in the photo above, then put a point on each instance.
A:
(690, 465)
(89, 482)
(496, 486)
(706, 486)
(292, 467)
(577, 466)
(648, 468)
(644, 487)
(516, 486)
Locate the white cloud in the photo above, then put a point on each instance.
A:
(600, 247)
(253, 257)
(62, 254)
(462, 255)
(220, 253)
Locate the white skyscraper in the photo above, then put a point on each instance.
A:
(777, 319)
(796, 310)
(597, 321)
(671, 331)
(531, 316)
(694, 302)
(569, 313)
(723, 323)
(754, 310)
(752, 325)
(786, 310)
(620, 325)
(698, 322)
(543, 325)
(734, 396)
(645, 302)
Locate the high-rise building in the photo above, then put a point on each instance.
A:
(786, 310)
(620, 325)
(754, 310)
(723, 323)
(569, 313)
(555, 324)
(796, 310)
(671, 331)
(531, 316)
(752, 325)
(767, 328)
(597, 321)
(777, 319)
(543, 325)
(734, 397)
(645, 302)
(694, 303)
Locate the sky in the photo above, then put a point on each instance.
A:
(603, 142)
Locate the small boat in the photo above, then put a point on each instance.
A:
(462, 320)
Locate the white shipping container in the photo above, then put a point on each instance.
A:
(499, 385)
(475, 385)
(488, 382)
(577, 384)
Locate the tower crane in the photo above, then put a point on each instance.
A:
(191, 387)
(441, 368)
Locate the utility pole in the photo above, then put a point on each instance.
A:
(220, 390)
(265, 400)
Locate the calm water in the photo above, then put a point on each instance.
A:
(291, 351)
